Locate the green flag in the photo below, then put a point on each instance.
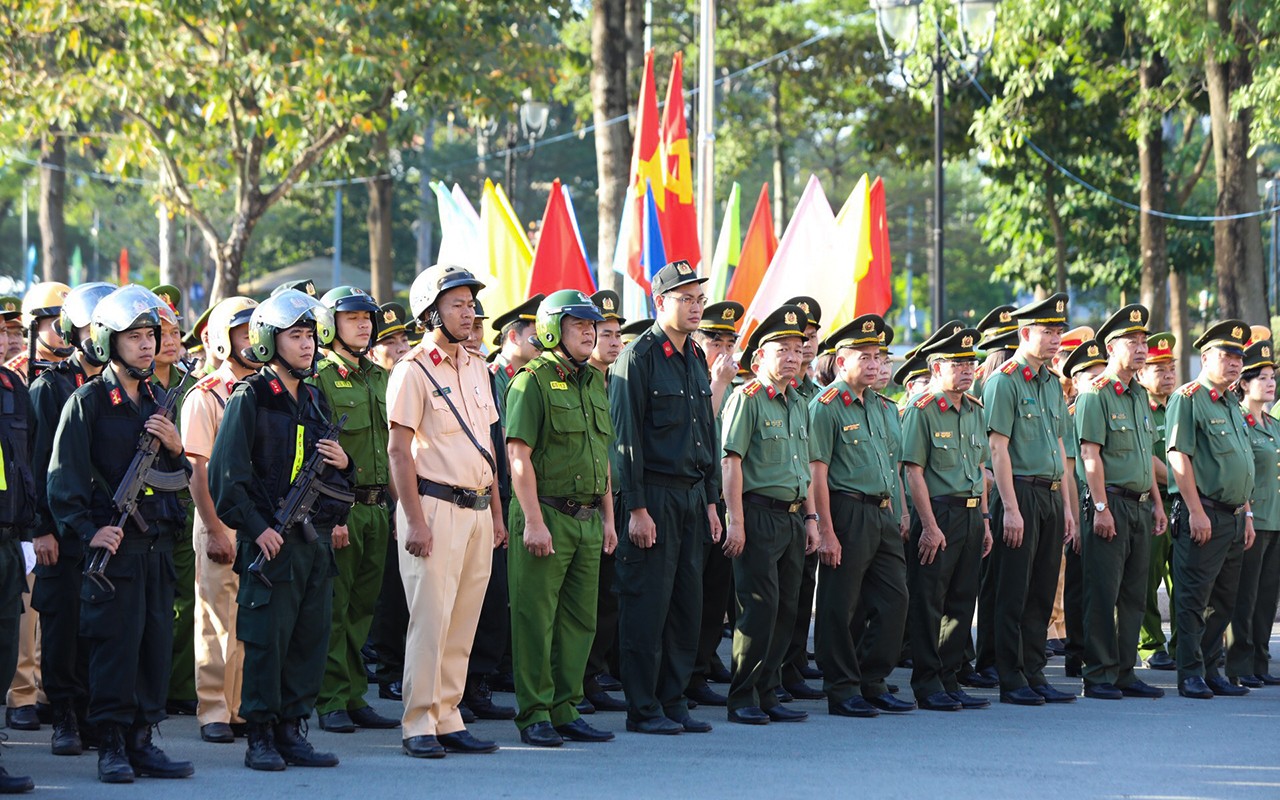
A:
(728, 248)
(77, 267)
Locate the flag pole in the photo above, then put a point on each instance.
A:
(706, 129)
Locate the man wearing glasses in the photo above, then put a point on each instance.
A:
(669, 478)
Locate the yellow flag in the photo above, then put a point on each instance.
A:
(510, 258)
(853, 232)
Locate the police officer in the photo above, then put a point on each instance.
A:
(41, 307)
(1026, 423)
(273, 422)
(355, 386)
(1159, 378)
(514, 341)
(669, 479)
(944, 444)
(1212, 462)
(391, 337)
(771, 519)
(58, 570)
(219, 654)
(11, 317)
(558, 437)
(1123, 511)
(999, 340)
(128, 615)
(862, 580)
(632, 330)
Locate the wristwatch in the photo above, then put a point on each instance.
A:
(1099, 507)
(813, 517)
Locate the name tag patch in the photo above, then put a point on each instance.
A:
(342, 384)
(942, 434)
(560, 386)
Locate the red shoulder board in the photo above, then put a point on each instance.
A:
(510, 370)
(847, 397)
(1027, 374)
(973, 399)
(751, 388)
(924, 400)
(669, 349)
(435, 356)
(1191, 388)
(8, 384)
(1099, 382)
(1009, 366)
(116, 398)
(276, 388)
(830, 394)
(1249, 419)
(207, 384)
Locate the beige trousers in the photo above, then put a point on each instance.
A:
(1057, 621)
(25, 689)
(219, 654)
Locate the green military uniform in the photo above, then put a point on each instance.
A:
(853, 436)
(667, 462)
(1248, 655)
(1026, 406)
(1152, 639)
(1115, 415)
(769, 431)
(1207, 426)
(562, 413)
(948, 442)
(358, 390)
(503, 371)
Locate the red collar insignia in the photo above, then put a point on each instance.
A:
(435, 357)
(1213, 394)
(5, 380)
(231, 385)
(847, 397)
(942, 402)
(116, 398)
(1249, 419)
(1155, 407)
(79, 380)
(1027, 374)
(1119, 387)
(795, 384)
(510, 370)
(770, 392)
(671, 351)
(342, 370)
(276, 388)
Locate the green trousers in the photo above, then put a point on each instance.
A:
(1115, 590)
(1249, 636)
(766, 581)
(1026, 579)
(942, 598)
(355, 594)
(871, 585)
(1206, 579)
(182, 676)
(1159, 571)
(553, 615)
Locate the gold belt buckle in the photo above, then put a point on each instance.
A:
(1142, 498)
(884, 502)
(794, 507)
(1053, 485)
(971, 502)
(1238, 510)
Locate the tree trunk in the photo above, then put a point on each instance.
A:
(1237, 243)
(379, 223)
(1180, 324)
(633, 33)
(53, 197)
(1152, 241)
(426, 228)
(1059, 236)
(609, 59)
(779, 157)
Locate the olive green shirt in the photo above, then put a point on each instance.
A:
(1264, 439)
(503, 372)
(1027, 406)
(1160, 439)
(851, 437)
(1117, 416)
(359, 390)
(562, 413)
(806, 386)
(1208, 427)
(769, 431)
(948, 441)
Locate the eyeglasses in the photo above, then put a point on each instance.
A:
(687, 299)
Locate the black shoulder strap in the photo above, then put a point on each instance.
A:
(487, 457)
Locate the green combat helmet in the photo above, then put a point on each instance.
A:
(77, 312)
(553, 310)
(350, 298)
(281, 312)
(128, 308)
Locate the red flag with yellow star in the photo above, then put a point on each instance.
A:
(646, 170)
(680, 217)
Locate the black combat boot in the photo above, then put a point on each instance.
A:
(113, 764)
(149, 761)
(262, 754)
(292, 744)
(66, 731)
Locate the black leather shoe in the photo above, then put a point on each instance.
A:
(366, 717)
(479, 698)
(751, 715)
(22, 718)
(149, 761)
(704, 695)
(584, 707)
(1161, 660)
(580, 731)
(720, 674)
(541, 734)
(113, 764)
(422, 747)
(1052, 695)
(463, 742)
(1249, 681)
(783, 695)
(1268, 679)
(781, 713)
(337, 722)
(1024, 696)
(1055, 647)
(217, 733)
(608, 683)
(855, 706)
(66, 739)
(180, 708)
(1223, 688)
(1073, 668)
(967, 701)
(939, 701)
(660, 726)
(261, 753)
(606, 702)
(468, 716)
(1195, 688)
(1102, 691)
(14, 784)
(984, 679)
(692, 725)
(391, 691)
(293, 747)
(892, 704)
(1142, 689)
(803, 691)
(810, 673)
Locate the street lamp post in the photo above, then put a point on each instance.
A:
(533, 116)
(898, 23)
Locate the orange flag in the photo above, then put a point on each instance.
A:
(680, 218)
(646, 170)
(124, 266)
(875, 291)
(758, 248)
(558, 260)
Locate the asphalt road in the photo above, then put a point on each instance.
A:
(1169, 748)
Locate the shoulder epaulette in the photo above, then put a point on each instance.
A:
(751, 387)
(1099, 382)
(923, 400)
(974, 399)
(1009, 367)
(208, 383)
(830, 394)
(1190, 388)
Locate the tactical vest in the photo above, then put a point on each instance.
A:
(18, 492)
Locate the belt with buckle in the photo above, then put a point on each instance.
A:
(572, 508)
(776, 505)
(877, 500)
(670, 481)
(462, 498)
(370, 495)
(959, 501)
(1218, 505)
(1042, 483)
(1129, 494)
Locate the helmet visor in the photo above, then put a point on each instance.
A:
(132, 307)
(289, 308)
